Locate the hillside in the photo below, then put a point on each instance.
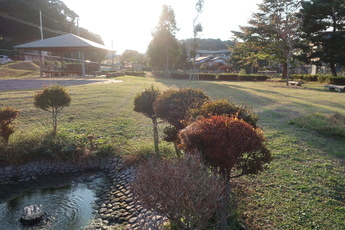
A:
(19, 70)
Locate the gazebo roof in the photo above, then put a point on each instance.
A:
(61, 43)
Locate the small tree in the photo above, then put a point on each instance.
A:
(7, 116)
(229, 146)
(172, 106)
(143, 103)
(52, 99)
(183, 190)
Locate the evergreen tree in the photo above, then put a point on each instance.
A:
(164, 49)
(275, 28)
(324, 31)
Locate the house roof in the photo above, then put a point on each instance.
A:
(201, 59)
(62, 42)
(213, 51)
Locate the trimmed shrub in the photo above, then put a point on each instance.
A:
(52, 99)
(183, 190)
(310, 77)
(227, 144)
(337, 80)
(207, 77)
(323, 78)
(143, 103)
(228, 77)
(172, 106)
(246, 77)
(305, 77)
(7, 116)
(261, 77)
(136, 73)
(180, 75)
(223, 107)
(296, 76)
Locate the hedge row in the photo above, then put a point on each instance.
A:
(320, 78)
(222, 77)
(136, 73)
(337, 80)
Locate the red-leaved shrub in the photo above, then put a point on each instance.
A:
(227, 143)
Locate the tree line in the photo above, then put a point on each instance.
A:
(286, 32)
(20, 20)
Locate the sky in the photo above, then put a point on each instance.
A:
(128, 24)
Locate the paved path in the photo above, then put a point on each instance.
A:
(26, 84)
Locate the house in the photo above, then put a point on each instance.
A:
(212, 57)
(211, 53)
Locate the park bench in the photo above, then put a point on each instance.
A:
(298, 83)
(341, 88)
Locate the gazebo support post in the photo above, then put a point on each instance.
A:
(83, 63)
(99, 61)
(61, 55)
(40, 62)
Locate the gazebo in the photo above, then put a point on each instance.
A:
(63, 43)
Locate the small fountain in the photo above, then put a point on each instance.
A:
(33, 215)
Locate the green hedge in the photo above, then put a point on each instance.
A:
(337, 80)
(207, 77)
(305, 77)
(316, 77)
(180, 76)
(223, 77)
(136, 73)
(228, 77)
(323, 78)
(246, 77)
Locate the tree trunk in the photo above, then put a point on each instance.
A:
(334, 72)
(287, 70)
(167, 72)
(177, 150)
(54, 114)
(284, 70)
(155, 134)
(224, 210)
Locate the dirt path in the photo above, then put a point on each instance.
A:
(22, 84)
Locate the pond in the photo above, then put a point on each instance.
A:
(67, 201)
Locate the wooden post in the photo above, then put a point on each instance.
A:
(40, 62)
(83, 63)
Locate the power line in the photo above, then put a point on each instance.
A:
(35, 25)
(31, 24)
(19, 20)
(56, 21)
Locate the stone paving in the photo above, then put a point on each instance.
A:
(119, 209)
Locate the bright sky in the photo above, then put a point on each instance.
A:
(127, 24)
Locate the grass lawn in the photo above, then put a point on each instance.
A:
(304, 187)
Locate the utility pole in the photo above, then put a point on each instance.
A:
(112, 55)
(41, 27)
(41, 54)
(78, 26)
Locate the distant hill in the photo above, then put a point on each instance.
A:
(209, 44)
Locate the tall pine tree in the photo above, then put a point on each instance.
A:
(276, 29)
(324, 31)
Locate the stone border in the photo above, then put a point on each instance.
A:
(32, 170)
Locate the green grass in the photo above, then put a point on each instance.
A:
(332, 125)
(304, 186)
